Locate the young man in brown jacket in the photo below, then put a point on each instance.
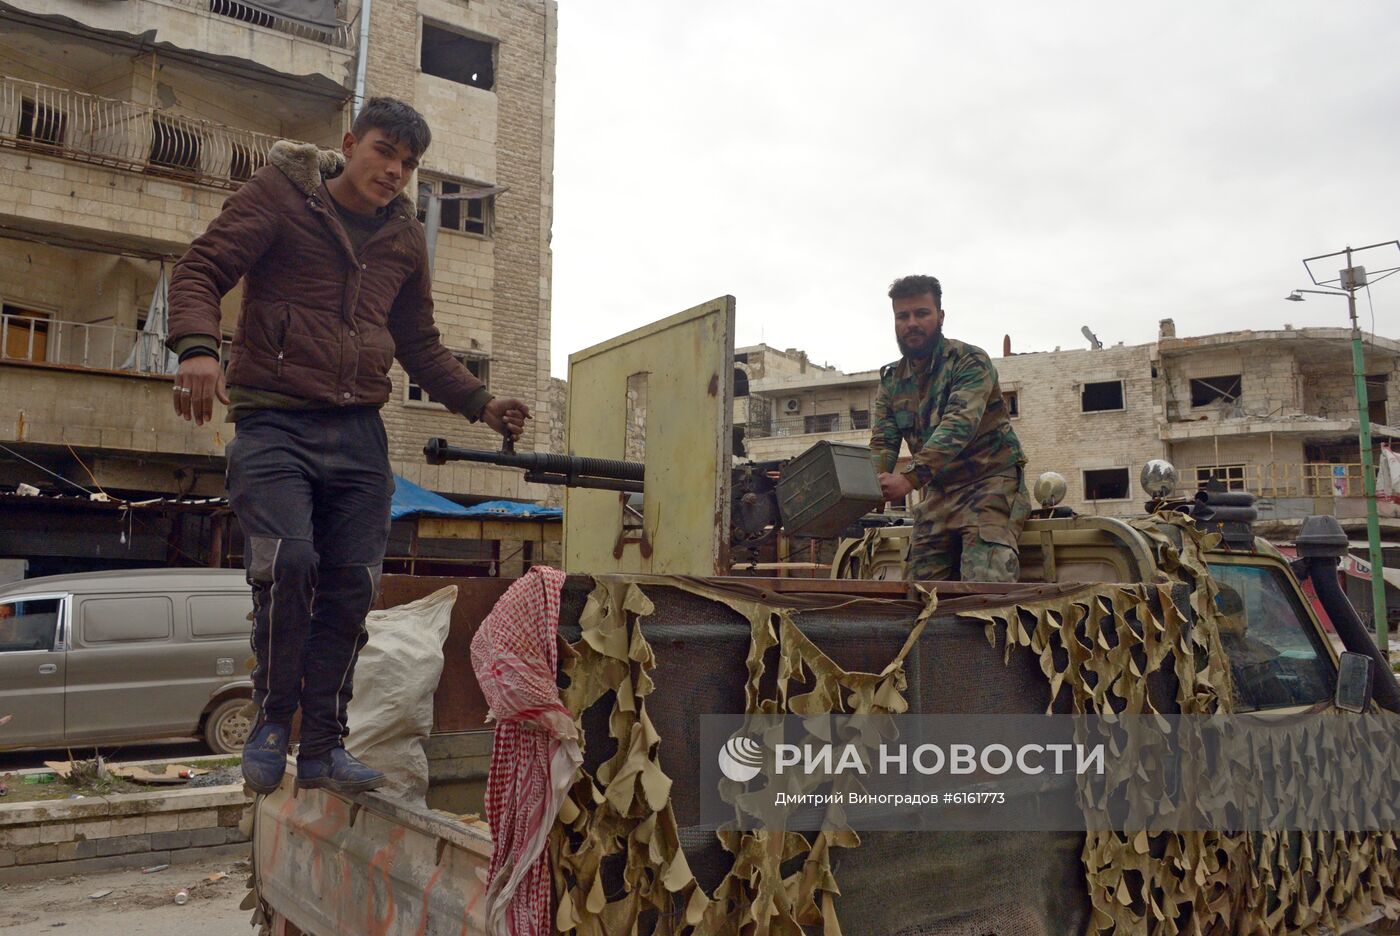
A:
(336, 286)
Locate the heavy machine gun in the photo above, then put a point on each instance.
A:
(544, 468)
(819, 494)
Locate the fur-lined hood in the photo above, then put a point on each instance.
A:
(307, 166)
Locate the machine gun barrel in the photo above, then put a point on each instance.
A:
(545, 468)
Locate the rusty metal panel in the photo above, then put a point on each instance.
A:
(683, 366)
(368, 866)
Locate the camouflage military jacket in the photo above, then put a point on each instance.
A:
(949, 410)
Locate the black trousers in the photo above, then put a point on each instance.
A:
(311, 490)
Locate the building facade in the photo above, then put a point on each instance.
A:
(124, 126)
(1272, 412)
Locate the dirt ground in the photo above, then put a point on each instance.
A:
(138, 903)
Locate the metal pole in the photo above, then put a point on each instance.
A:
(1368, 474)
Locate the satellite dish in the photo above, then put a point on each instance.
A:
(1094, 342)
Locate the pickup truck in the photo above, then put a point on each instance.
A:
(1243, 637)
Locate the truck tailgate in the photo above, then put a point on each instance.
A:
(332, 865)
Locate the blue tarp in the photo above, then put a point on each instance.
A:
(410, 500)
(513, 510)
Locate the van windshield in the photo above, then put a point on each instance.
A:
(1277, 658)
(28, 624)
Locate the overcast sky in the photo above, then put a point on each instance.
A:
(1055, 164)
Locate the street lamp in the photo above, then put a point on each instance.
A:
(1348, 280)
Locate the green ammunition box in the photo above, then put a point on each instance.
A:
(826, 489)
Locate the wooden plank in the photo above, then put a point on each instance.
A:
(449, 528)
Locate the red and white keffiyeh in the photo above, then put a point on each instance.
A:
(536, 753)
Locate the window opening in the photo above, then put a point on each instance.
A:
(458, 58)
(469, 215)
(860, 419)
(477, 365)
(1376, 398)
(1232, 476)
(244, 162)
(41, 123)
(1106, 484)
(1012, 399)
(1101, 397)
(823, 422)
(1208, 390)
(174, 147)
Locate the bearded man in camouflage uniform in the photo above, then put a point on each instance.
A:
(942, 398)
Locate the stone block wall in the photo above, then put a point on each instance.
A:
(46, 839)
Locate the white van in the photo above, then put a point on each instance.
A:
(133, 655)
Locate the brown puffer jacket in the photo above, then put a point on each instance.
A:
(318, 322)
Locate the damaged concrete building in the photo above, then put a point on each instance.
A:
(124, 126)
(1272, 412)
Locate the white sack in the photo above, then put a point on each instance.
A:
(391, 712)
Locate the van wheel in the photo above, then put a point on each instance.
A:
(228, 726)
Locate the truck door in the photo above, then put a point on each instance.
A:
(1278, 657)
(32, 671)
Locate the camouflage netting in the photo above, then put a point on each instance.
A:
(1204, 881)
(625, 809)
(1103, 649)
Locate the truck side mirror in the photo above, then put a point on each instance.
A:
(1355, 682)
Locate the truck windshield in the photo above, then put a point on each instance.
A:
(1276, 656)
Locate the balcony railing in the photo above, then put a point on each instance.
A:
(819, 424)
(1291, 479)
(87, 128)
(34, 340)
(342, 37)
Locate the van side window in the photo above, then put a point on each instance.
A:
(1276, 656)
(221, 615)
(28, 624)
(120, 620)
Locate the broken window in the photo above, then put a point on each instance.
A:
(1376, 391)
(468, 215)
(1101, 397)
(458, 57)
(1103, 484)
(741, 383)
(1208, 390)
(477, 364)
(174, 147)
(1232, 476)
(41, 123)
(823, 422)
(860, 419)
(1012, 399)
